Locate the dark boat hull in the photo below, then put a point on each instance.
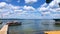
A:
(57, 23)
(0, 22)
(56, 19)
(14, 24)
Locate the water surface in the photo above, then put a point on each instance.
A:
(31, 26)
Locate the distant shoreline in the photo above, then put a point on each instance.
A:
(26, 19)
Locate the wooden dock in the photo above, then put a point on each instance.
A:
(52, 32)
(4, 29)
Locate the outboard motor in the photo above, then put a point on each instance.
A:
(48, 1)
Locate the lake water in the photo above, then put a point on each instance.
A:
(31, 26)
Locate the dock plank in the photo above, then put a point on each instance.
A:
(4, 29)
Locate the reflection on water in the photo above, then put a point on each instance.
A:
(0, 26)
(32, 26)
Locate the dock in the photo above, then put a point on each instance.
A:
(52, 32)
(4, 29)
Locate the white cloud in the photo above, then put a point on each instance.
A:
(11, 11)
(30, 1)
(53, 4)
(58, 9)
(13, 7)
(29, 8)
(29, 12)
(52, 9)
(46, 13)
(44, 5)
(56, 16)
(58, 1)
(42, 9)
(7, 9)
(2, 4)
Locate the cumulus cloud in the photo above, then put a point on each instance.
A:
(44, 5)
(2, 4)
(22, 12)
(30, 1)
(43, 9)
(7, 9)
(51, 9)
(29, 8)
(53, 4)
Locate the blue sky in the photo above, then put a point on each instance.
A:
(29, 9)
(22, 3)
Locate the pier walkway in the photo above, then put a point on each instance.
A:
(4, 29)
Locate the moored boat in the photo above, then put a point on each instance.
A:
(56, 19)
(57, 22)
(14, 23)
